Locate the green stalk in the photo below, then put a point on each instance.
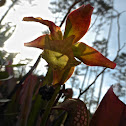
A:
(49, 106)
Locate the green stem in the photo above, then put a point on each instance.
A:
(49, 106)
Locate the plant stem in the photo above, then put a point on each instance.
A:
(49, 106)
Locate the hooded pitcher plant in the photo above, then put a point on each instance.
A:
(60, 50)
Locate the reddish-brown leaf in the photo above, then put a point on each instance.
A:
(111, 111)
(78, 21)
(61, 76)
(55, 30)
(38, 43)
(91, 56)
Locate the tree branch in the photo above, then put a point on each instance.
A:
(8, 10)
(93, 22)
(76, 2)
(91, 83)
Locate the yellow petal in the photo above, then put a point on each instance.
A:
(55, 59)
(60, 77)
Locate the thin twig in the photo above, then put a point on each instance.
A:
(85, 75)
(91, 83)
(8, 10)
(106, 49)
(93, 22)
(76, 2)
(119, 49)
(118, 24)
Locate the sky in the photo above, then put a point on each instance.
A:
(28, 31)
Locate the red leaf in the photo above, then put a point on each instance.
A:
(26, 98)
(111, 111)
(78, 21)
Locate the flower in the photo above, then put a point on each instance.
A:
(60, 50)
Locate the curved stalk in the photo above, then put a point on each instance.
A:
(49, 106)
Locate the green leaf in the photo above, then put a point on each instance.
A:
(12, 110)
(16, 65)
(4, 76)
(49, 106)
(55, 30)
(37, 102)
(55, 59)
(35, 111)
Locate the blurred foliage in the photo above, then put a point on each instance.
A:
(120, 75)
(6, 31)
(2, 2)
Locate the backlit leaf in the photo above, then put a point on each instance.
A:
(55, 30)
(38, 43)
(55, 59)
(61, 76)
(91, 56)
(78, 21)
(61, 46)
